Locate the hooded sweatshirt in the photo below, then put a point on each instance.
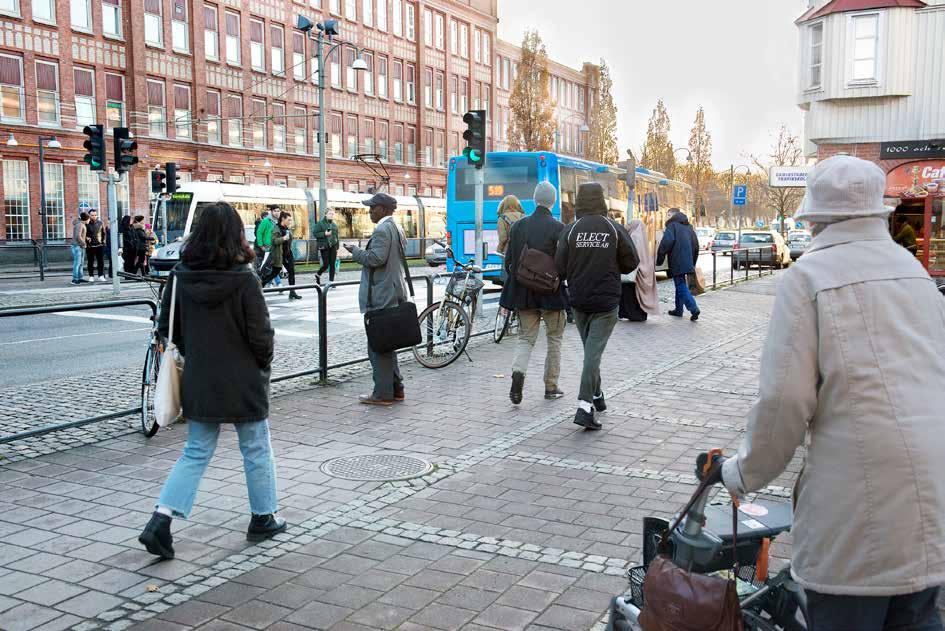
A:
(681, 244)
(593, 252)
(222, 329)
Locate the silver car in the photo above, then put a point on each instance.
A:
(762, 248)
(723, 241)
(798, 244)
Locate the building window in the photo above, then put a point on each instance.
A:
(506, 71)
(368, 137)
(397, 15)
(335, 62)
(816, 54)
(260, 141)
(464, 41)
(45, 10)
(114, 100)
(477, 45)
(111, 18)
(865, 46)
(80, 14)
(351, 10)
(234, 112)
(463, 94)
(182, 111)
(316, 150)
(278, 127)
(440, 149)
(454, 94)
(153, 23)
(411, 81)
(47, 93)
(84, 81)
(214, 133)
(16, 199)
(180, 32)
(454, 37)
(55, 202)
(382, 140)
(382, 77)
(368, 75)
(382, 15)
(580, 94)
(410, 22)
(88, 188)
(428, 27)
(233, 38)
(157, 124)
(352, 136)
(439, 31)
(428, 87)
(367, 12)
(335, 6)
(486, 49)
(351, 75)
(335, 135)
(298, 56)
(277, 50)
(438, 94)
(486, 99)
(299, 127)
(411, 145)
(211, 37)
(399, 143)
(256, 53)
(428, 147)
(398, 81)
(477, 96)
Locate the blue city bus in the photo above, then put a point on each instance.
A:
(517, 173)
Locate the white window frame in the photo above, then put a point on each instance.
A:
(234, 127)
(211, 37)
(260, 124)
(55, 201)
(75, 7)
(109, 107)
(13, 9)
(16, 198)
(477, 45)
(232, 42)
(367, 12)
(334, 6)
(381, 15)
(279, 129)
(454, 37)
(298, 62)
(439, 31)
(382, 79)
(180, 32)
(351, 10)
(116, 11)
(87, 186)
(464, 40)
(397, 16)
(257, 50)
(183, 127)
(299, 132)
(151, 21)
(88, 101)
(277, 55)
(877, 58)
(45, 93)
(51, 7)
(367, 76)
(157, 114)
(428, 28)
(811, 84)
(486, 48)
(215, 137)
(410, 21)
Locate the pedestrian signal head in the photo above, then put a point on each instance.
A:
(475, 137)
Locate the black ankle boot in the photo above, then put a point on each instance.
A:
(264, 526)
(156, 536)
(518, 382)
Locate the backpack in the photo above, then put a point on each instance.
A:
(132, 242)
(537, 272)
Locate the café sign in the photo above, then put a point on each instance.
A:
(912, 149)
(917, 180)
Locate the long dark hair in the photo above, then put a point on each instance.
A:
(217, 241)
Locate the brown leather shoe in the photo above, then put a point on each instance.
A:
(399, 394)
(367, 399)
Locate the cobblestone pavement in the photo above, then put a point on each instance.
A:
(524, 522)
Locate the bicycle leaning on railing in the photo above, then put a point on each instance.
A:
(152, 358)
(447, 325)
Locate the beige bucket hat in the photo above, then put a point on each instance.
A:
(842, 188)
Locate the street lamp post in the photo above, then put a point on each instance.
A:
(328, 28)
(53, 144)
(583, 130)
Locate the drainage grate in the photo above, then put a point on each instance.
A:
(377, 467)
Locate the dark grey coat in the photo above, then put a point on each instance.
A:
(382, 257)
(222, 329)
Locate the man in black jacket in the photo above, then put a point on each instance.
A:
(539, 231)
(592, 254)
(95, 250)
(681, 244)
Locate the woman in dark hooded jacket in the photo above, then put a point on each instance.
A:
(221, 327)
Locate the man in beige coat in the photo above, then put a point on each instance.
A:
(855, 362)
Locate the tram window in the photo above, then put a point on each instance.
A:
(435, 223)
(406, 219)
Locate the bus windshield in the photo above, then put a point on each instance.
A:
(504, 175)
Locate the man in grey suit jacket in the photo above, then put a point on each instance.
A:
(383, 272)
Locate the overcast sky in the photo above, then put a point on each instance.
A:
(736, 58)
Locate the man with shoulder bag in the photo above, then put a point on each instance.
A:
(384, 302)
(534, 290)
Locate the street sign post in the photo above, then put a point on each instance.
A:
(739, 194)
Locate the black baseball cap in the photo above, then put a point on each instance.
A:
(381, 199)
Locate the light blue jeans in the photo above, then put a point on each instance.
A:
(180, 490)
(78, 258)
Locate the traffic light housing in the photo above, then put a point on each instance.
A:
(95, 147)
(172, 178)
(157, 182)
(125, 148)
(475, 137)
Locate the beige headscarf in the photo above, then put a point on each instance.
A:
(647, 295)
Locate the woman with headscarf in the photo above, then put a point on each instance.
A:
(638, 297)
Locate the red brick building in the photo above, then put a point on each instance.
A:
(226, 87)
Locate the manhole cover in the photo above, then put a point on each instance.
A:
(377, 467)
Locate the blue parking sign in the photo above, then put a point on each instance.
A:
(739, 194)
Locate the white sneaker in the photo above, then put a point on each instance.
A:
(91, 279)
(101, 278)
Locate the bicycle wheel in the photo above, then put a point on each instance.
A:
(503, 317)
(152, 366)
(445, 327)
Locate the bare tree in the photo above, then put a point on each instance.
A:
(532, 125)
(786, 151)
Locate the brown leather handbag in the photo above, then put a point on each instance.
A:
(679, 600)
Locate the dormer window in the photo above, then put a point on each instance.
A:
(864, 29)
(816, 54)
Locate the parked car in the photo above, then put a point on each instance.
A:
(723, 241)
(705, 237)
(798, 242)
(436, 255)
(765, 248)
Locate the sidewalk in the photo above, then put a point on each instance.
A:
(523, 522)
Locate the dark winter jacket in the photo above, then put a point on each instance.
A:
(287, 256)
(322, 240)
(222, 328)
(681, 244)
(539, 231)
(95, 232)
(280, 237)
(593, 252)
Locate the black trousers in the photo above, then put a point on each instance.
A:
(96, 256)
(909, 612)
(289, 264)
(328, 256)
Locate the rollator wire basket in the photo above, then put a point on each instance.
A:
(456, 286)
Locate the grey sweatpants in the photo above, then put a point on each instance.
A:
(595, 330)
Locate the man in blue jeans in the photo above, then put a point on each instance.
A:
(78, 245)
(681, 245)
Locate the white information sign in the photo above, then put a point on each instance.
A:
(788, 177)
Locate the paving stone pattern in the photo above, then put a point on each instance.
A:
(526, 521)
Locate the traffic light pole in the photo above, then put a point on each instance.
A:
(111, 192)
(480, 183)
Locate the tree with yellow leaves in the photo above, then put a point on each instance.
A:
(602, 137)
(532, 125)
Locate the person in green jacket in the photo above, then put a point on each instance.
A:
(326, 238)
(264, 228)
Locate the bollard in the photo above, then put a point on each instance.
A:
(322, 333)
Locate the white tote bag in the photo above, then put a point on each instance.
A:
(167, 407)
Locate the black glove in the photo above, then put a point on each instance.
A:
(714, 476)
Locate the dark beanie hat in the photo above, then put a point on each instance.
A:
(590, 200)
